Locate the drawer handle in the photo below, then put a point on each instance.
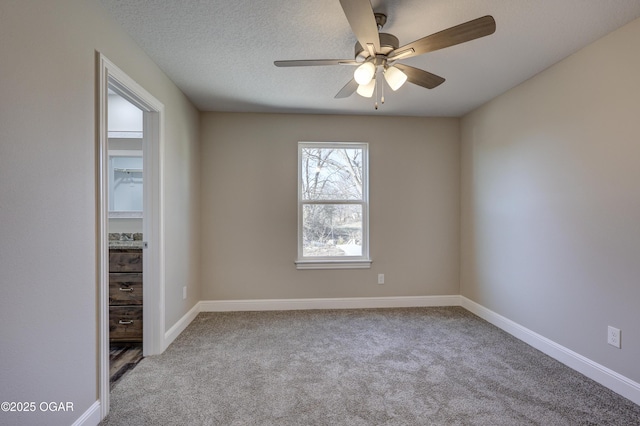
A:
(125, 322)
(126, 289)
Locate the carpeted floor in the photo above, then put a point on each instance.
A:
(417, 366)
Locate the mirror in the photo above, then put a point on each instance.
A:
(125, 184)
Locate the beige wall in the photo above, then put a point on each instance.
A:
(48, 307)
(551, 202)
(249, 206)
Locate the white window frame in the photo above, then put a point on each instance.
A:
(336, 262)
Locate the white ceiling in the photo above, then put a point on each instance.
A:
(221, 52)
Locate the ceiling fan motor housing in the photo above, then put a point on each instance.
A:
(388, 43)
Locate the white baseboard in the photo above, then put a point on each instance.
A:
(327, 303)
(91, 417)
(599, 373)
(171, 334)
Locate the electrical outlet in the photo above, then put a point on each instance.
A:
(613, 336)
(380, 278)
(184, 293)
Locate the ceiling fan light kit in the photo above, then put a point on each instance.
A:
(379, 51)
(394, 77)
(364, 73)
(366, 90)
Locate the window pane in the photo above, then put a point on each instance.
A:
(331, 174)
(332, 230)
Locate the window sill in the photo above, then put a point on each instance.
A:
(334, 264)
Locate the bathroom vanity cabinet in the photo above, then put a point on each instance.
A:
(125, 295)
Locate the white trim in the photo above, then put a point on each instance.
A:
(153, 259)
(125, 215)
(180, 326)
(327, 303)
(333, 264)
(102, 239)
(125, 153)
(91, 417)
(597, 372)
(125, 135)
(153, 225)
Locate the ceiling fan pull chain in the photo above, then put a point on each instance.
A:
(376, 78)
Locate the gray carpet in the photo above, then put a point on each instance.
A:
(417, 366)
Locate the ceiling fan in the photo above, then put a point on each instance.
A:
(377, 53)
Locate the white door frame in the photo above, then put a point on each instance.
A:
(110, 75)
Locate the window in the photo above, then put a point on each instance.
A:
(333, 209)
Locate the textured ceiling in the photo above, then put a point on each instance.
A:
(220, 52)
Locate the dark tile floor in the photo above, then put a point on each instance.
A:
(122, 358)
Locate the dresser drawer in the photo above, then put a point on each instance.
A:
(125, 260)
(125, 288)
(125, 323)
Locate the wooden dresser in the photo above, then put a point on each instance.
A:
(125, 295)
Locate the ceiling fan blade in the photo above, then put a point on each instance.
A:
(315, 62)
(347, 90)
(363, 23)
(420, 77)
(450, 37)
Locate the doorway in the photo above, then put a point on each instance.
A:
(129, 206)
(125, 136)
